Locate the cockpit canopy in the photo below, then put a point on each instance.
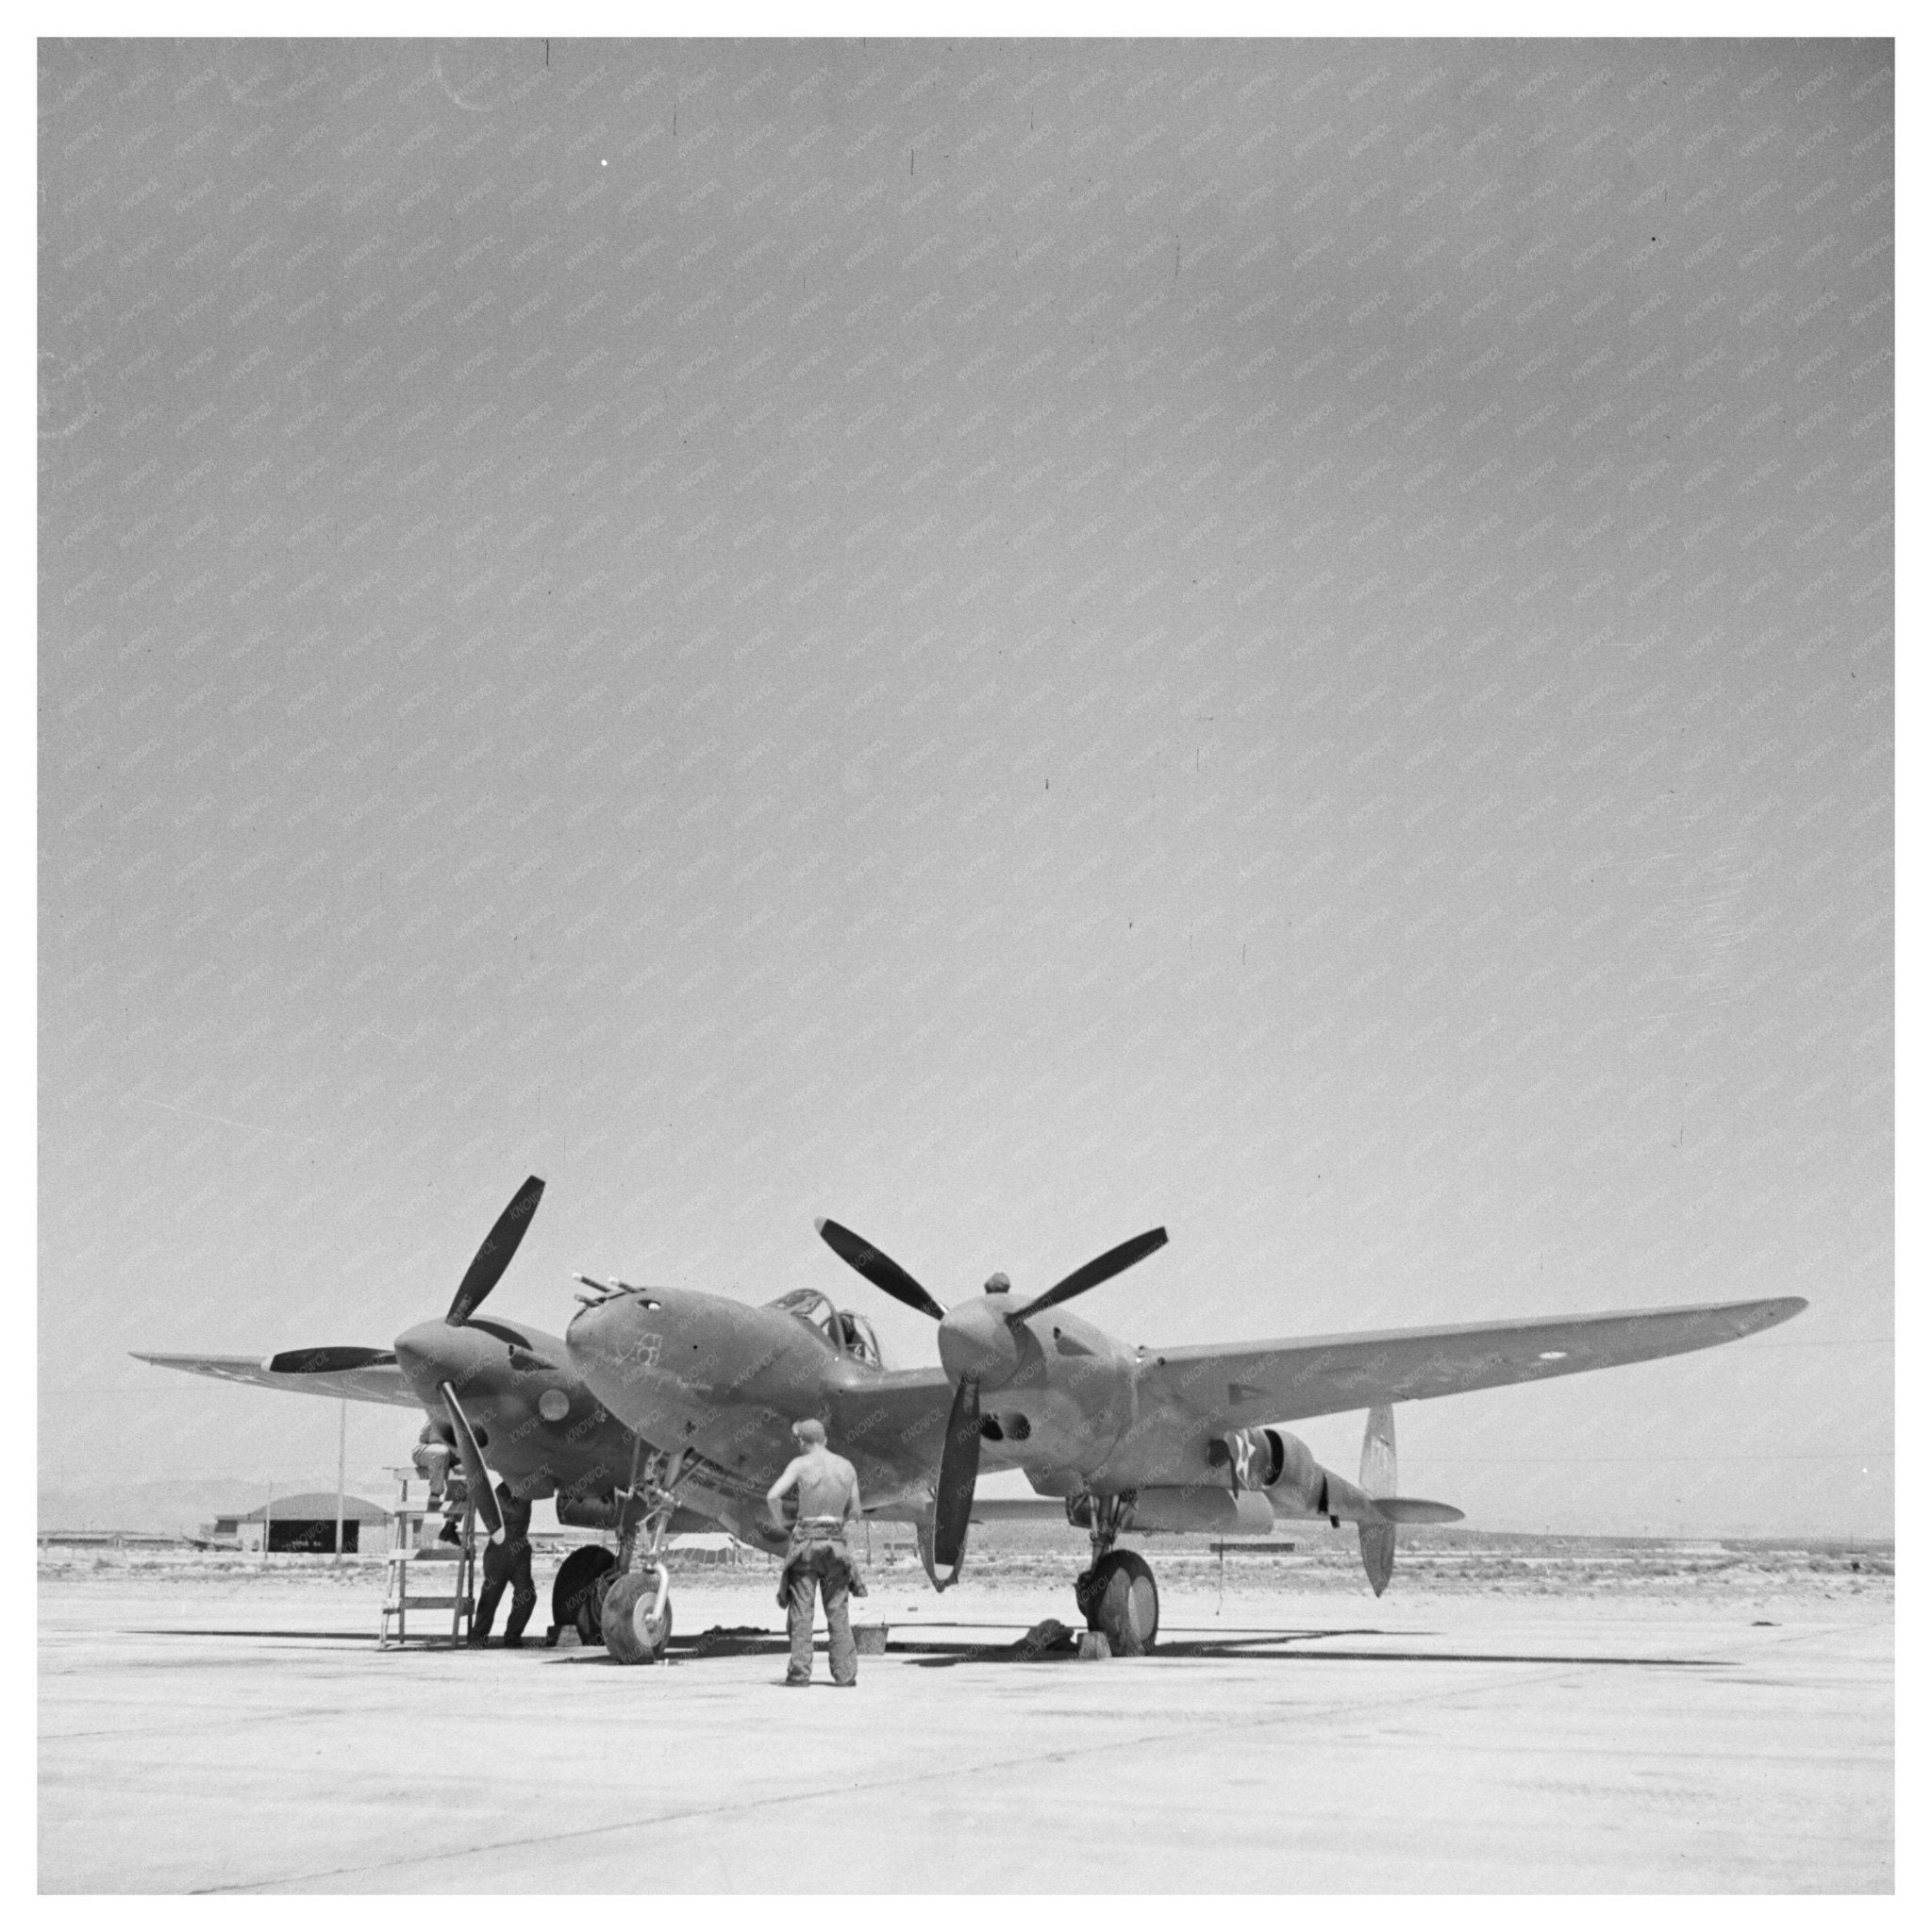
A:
(843, 1331)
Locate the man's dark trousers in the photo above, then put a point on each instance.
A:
(821, 1564)
(505, 1568)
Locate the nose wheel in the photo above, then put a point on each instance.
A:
(637, 1616)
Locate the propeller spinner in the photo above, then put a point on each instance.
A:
(979, 1346)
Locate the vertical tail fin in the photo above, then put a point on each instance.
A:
(1378, 1479)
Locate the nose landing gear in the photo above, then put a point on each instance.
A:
(637, 1616)
(635, 1613)
(1117, 1593)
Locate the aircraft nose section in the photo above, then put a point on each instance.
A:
(605, 1337)
(631, 1344)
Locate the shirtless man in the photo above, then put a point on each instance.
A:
(828, 1487)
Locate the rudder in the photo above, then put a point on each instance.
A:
(1377, 1539)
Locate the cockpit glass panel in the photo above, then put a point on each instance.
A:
(850, 1334)
(861, 1345)
(813, 1309)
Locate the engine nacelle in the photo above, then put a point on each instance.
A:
(587, 1512)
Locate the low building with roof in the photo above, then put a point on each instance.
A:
(303, 1524)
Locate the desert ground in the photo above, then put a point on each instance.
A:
(1516, 1715)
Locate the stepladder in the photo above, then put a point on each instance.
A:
(424, 1575)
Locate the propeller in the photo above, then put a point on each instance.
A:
(327, 1361)
(484, 1273)
(958, 1471)
(878, 1268)
(1102, 1268)
(965, 1331)
(495, 1255)
(481, 1494)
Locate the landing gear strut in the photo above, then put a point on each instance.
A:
(636, 1611)
(1116, 1592)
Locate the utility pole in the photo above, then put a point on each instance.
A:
(342, 1465)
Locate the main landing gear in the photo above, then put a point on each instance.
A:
(1115, 1593)
(576, 1596)
(628, 1611)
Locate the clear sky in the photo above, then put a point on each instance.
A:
(1004, 641)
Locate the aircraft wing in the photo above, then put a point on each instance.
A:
(380, 1382)
(1230, 1387)
(898, 1416)
(985, 1509)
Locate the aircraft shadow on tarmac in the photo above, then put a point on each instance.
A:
(1266, 1650)
(1054, 1644)
(1057, 1645)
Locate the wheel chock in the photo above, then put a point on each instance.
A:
(1094, 1647)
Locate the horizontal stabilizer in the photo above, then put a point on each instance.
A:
(1413, 1509)
(985, 1509)
(1018, 1509)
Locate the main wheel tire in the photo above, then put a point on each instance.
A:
(1126, 1603)
(633, 1633)
(575, 1595)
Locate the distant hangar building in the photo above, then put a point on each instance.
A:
(305, 1523)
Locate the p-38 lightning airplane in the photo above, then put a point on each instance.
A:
(1125, 1439)
(504, 1396)
(667, 1408)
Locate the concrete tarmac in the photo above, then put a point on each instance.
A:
(250, 1737)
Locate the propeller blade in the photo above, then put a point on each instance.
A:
(481, 1493)
(880, 1270)
(958, 1471)
(1102, 1268)
(327, 1361)
(493, 1257)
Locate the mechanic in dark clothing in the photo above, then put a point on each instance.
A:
(507, 1566)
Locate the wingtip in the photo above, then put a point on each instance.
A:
(819, 1221)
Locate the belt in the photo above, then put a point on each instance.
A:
(819, 1526)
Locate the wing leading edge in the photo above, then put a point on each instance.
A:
(1284, 1381)
(380, 1382)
